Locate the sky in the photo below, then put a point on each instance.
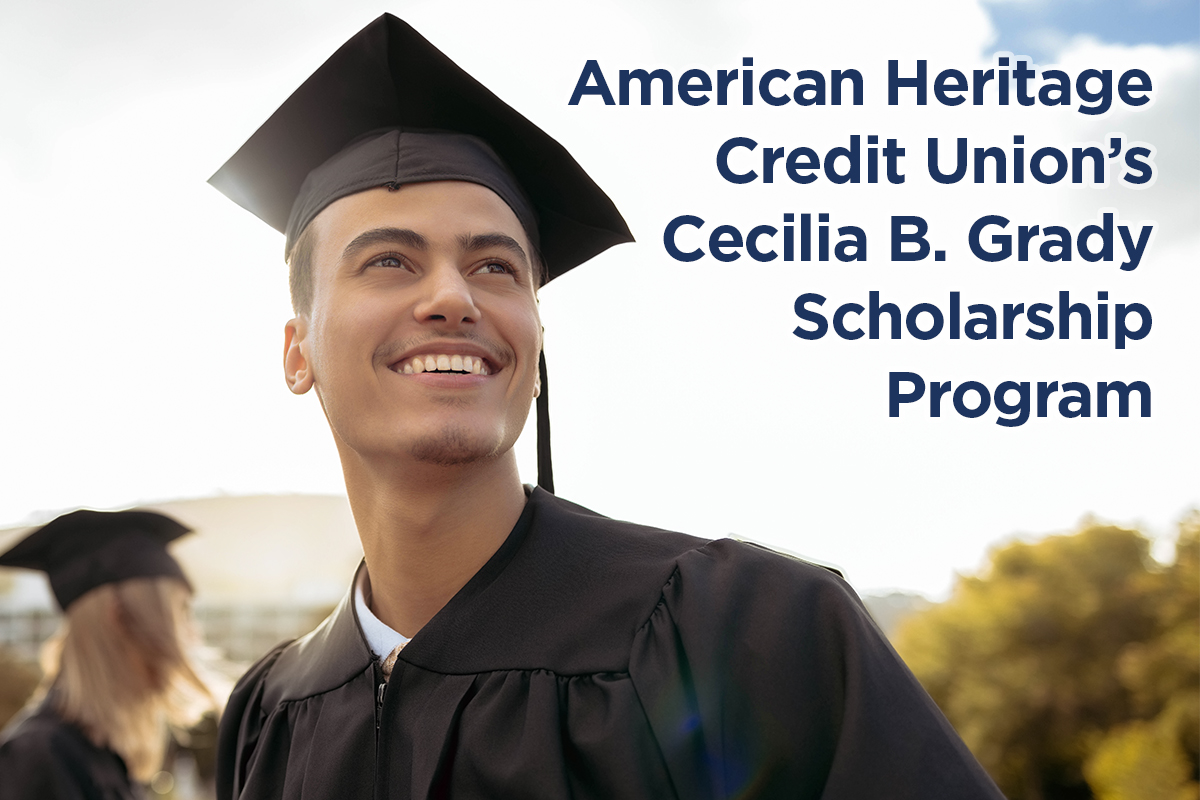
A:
(141, 313)
(1041, 28)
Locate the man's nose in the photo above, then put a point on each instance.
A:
(447, 299)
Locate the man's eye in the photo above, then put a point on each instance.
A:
(494, 267)
(387, 261)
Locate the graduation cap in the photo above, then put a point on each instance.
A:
(389, 108)
(85, 549)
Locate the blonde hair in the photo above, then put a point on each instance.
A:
(119, 669)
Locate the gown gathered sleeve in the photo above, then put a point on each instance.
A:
(596, 659)
(765, 676)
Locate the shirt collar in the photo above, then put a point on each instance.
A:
(380, 638)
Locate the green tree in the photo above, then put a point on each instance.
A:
(1155, 755)
(1067, 661)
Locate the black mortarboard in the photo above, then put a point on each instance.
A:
(389, 108)
(386, 78)
(85, 549)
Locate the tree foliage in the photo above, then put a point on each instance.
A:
(1071, 666)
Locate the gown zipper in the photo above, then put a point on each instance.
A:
(380, 690)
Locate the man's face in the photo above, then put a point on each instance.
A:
(423, 336)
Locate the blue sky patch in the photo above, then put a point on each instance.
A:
(1037, 28)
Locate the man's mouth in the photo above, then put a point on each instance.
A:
(453, 364)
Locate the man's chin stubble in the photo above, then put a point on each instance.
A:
(452, 447)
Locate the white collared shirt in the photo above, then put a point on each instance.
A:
(380, 638)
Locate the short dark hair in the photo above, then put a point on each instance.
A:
(300, 270)
(541, 273)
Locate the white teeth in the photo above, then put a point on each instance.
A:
(473, 365)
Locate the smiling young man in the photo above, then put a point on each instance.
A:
(421, 338)
(500, 642)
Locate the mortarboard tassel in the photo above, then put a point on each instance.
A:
(545, 467)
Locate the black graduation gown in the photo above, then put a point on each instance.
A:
(591, 658)
(44, 758)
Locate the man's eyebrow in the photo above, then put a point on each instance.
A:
(483, 241)
(378, 236)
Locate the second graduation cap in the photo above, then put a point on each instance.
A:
(85, 549)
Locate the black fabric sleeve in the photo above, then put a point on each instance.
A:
(764, 676)
(241, 724)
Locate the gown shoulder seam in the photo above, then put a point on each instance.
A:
(662, 598)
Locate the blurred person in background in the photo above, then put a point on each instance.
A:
(118, 672)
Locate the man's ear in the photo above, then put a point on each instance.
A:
(297, 370)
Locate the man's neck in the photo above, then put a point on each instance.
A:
(426, 531)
